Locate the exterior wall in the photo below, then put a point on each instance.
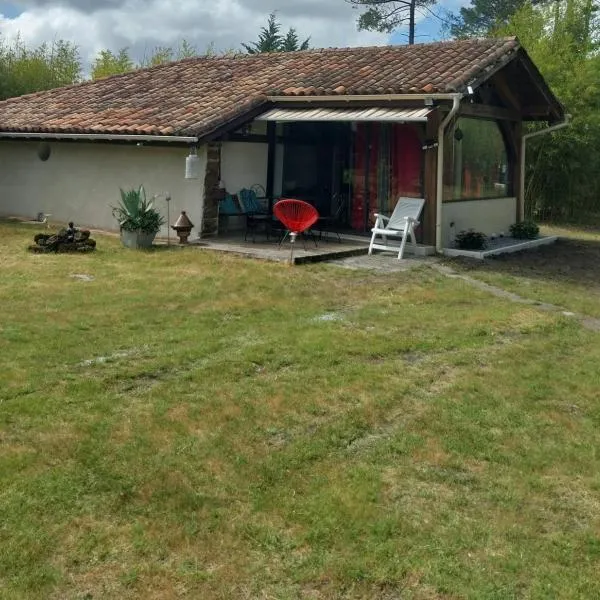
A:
(487, 216)
(81, 181)
(212, 191)
(244, 164)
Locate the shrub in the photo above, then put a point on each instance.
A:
(471, 240)
(526, 230)
(136, 213)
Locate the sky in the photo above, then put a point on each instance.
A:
(141, 25)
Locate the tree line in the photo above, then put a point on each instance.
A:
(24, 69)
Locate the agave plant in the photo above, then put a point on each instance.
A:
(136, 213)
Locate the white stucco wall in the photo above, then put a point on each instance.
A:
(81, 181)
(488, 216)
(244, 164)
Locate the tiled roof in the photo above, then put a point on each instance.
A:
(196, 96)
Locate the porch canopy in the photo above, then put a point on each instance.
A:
(390, 115)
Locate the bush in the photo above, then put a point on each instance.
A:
(526, 230)
(137, 213)
(471, 240)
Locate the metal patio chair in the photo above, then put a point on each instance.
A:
(298, 217)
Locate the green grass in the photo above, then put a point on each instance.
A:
(261, 431)
(566, 274)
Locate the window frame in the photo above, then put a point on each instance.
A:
(510, 160)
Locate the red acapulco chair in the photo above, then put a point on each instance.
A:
(297, 216)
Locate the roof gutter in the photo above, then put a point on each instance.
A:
(528, 136)
(456, 98)
(173, 139)
(353, 98)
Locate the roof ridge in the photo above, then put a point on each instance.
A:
(261, 56)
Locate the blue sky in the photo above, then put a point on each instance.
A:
(9, 10)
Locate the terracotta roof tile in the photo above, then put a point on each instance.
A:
(195, 96)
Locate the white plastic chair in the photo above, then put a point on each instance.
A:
(402, 224)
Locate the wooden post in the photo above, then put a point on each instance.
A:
(430, 179)
(512, 134)
(271, 154)
(517, 174)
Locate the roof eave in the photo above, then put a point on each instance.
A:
(107, 137)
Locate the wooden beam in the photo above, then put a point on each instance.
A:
(504, 89)
(485, 111)
(235, 123)
(541, 84)
(430, 180)
(537, 111)
(249, 139)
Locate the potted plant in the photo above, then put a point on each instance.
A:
(139, 221)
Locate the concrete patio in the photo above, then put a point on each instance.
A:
(305, 251)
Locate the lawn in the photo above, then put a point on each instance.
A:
(194, 425)
(566, 274)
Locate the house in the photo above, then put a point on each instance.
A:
(352, 127)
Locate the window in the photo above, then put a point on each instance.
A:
(387, 163)
(475, 161)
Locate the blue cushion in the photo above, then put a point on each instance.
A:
(250, 203)
(228, 206)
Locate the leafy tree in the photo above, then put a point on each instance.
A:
(563, 170)
(107, 63)
(24, 70)
(270, 39)
(388, 15)
(484, 16)
(165, 54)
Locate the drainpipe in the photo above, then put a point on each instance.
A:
(524, 139)
(456, 98)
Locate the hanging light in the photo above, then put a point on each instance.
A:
(192, 164)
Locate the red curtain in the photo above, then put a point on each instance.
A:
(400, 150)
(407, 162)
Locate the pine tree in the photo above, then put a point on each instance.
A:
(270, 39)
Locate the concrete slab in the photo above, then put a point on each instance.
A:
(270, 250)
(502, 246)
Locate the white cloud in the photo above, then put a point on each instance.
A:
(144, 24)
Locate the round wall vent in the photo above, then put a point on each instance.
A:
(44, 151)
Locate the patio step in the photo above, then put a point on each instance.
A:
(325, 256)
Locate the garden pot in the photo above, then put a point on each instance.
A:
(137, 239)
